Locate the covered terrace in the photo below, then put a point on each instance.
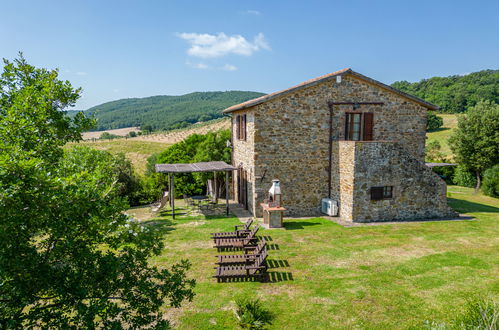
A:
(216, 166)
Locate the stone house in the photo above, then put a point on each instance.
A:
(344, 136)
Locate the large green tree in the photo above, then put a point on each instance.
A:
(69, 256)
(475, 142)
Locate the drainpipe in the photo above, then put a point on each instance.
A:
(330, 152)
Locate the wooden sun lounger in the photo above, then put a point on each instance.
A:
(257, 270)
(242, 258)
(237, 233)
(237, 243)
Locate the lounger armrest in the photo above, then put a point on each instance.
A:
(253, 267)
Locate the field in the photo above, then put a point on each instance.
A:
(138, 149)
(118, 131)
(443, 134)
(327, 276)
(135, 150)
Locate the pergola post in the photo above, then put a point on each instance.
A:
(227, 192)
(173, 196)
(170, 189)
(215, 187)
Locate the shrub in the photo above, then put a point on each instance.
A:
(196, 148)
(91, 160)
(434, 153)
(464, 177)
(252, 315)
(132, 134)
(433, 122)
(490, 184)
(109, 136)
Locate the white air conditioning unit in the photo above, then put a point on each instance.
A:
(329, 207)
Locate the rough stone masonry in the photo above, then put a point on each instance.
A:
(287, 138)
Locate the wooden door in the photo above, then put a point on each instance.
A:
(242, 188)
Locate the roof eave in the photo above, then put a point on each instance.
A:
(316, 81)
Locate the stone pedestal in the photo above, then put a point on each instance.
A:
(272, 216)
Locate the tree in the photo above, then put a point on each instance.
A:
(69, 255)
(490, 185)
(434, 122)
(475, 142)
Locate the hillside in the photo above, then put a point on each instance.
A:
(455, 94)
(166, 112)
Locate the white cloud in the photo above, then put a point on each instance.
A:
(81, 73)
(199, 65)
(229, 67)
(253, 12)
(206, 45)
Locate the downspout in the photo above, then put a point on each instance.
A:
(330, 152)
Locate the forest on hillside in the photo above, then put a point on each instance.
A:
(165, 112)
(455, 94)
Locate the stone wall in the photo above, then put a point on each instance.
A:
(418, 193)
(243, 155)
(288, 140)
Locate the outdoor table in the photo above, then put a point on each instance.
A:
(197, 200)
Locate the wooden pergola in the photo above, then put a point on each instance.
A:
(218, 166)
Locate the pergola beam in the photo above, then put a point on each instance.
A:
(216, 166)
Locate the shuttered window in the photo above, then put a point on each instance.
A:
(241, 127)
(379, 193)
(359, 126)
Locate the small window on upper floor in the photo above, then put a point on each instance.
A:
(241, 127)
(359, 126)
(380, 193)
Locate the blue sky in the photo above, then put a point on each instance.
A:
(118, 49)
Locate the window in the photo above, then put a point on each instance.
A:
(359, 126)
(380, 193)
(241, 127)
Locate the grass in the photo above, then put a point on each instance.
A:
(443, 134)
(136, 151)
(328, 276)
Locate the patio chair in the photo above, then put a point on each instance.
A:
(188, 200)
(237, 243)
(237, 233)
(242, 258)
(256, 270)
(162, 203)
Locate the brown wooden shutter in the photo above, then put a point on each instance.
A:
(244, 128)
(347, 125)
(376, 193)
(238, 129)
(368, 126)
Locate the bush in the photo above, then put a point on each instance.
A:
(92, 160)
(490, 184)
(434, 153)
(479, 313)
(252, 315)
(464, 177)
(196, 148)
(132, 134)
(433, 122)
(109, 136)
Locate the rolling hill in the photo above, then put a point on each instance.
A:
(165, 112)
(455, 94)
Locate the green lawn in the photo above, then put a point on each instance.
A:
(328, 276)
(136, 151)
(443, 134)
